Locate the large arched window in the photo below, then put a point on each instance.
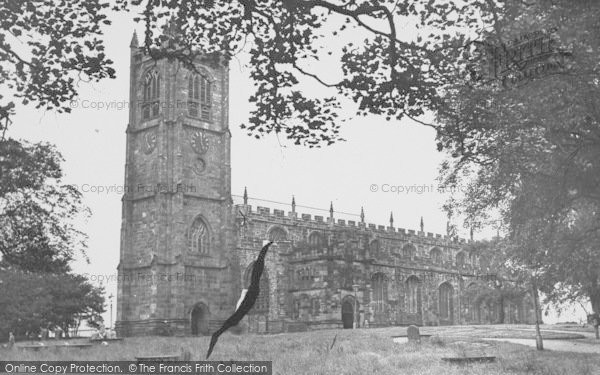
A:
(277, 234)
(199, 96)
(380, 291)
(296, 309)
(408, 251)
(470, 307)
(473, 258)
(261, 305)
(413, 295)
(151, 100)
(445, 301)
(199, 237)
(460, 259)
(436, 255)
(316, 306)
(315, 240)
(374, 247)
(304, 307)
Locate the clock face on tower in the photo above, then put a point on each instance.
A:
(199, 142)
(149, 142)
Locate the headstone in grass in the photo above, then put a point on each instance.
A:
(11, 340)
(413, 334)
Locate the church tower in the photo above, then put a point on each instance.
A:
(175, 270)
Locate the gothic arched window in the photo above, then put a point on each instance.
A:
(473, 258)
(296, 309)
(151, 100)
(380, 292)
(445, 300)
(262, 302)
(315, 240)
(413, 294)
(460, 259)
(199, 241)
(277, 234)
(408, 251)
(316, 306)
(436, 255)
(199, 96)
(374, 247)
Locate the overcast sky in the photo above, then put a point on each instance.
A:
(377, 155)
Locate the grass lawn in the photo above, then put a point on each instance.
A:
(361, 352)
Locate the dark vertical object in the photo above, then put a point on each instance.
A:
(199, 320)
(347, 314)
(539, 343)
(248, 301)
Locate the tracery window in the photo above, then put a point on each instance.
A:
(277, 234)
(151, 98)
(199, 96)
(460, 259)
(408, 251)
(380, 292)
(316, 308)
(315, 240)
(413, 294)
(374, 247)
(436, 255)
(199, 239)
(446, 293)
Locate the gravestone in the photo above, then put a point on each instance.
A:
(413, 334)
(11, 340)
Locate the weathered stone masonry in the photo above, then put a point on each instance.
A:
(186, 249)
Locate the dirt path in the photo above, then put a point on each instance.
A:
(575, 346)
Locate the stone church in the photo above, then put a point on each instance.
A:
(187, 249)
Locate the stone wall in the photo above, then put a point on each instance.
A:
(367, 265)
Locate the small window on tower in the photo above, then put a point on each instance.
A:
(151, 98)
(199, 96)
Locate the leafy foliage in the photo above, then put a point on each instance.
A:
(46, 48)
(531, 154)
(388, 73)
(38, 241)
(31, 301)
(36, 210)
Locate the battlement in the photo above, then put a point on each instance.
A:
(319, 220)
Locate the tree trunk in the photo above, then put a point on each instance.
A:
(595, 300)
(501, 311)
(539, 343)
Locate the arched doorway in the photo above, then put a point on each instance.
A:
(348, 307)
(199, 318)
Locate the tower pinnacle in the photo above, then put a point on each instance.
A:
(134, 40)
